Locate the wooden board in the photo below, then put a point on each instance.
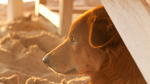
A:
(65, 11)
(14, 9)
(37, 4)
(74, 10)
(132, 20)
(63, 21)
(48, 14)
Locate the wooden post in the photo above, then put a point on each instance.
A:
(65, 11)
(132, 20)
(14, 9)
(37, 3)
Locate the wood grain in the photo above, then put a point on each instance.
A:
(132, 20)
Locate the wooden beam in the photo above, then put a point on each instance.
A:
(75, 9)
(65, 12)
(14, 9)
(81, 9)
(132, 20)
(37, 3)
(54, 18)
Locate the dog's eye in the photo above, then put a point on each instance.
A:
(74, 40)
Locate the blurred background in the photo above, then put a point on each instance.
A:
(28, 30)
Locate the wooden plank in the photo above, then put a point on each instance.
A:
(54, 18)
(65, 12)
(75, 9)
(132, 20)
(37, 3)
(14, 9)
(81, 9)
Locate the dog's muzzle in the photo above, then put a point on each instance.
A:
(46, 60)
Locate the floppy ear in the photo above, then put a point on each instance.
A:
(101, 32)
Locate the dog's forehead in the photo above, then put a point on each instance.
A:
(83, 22)
(81, 25)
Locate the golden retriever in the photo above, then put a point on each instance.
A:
(94, 47)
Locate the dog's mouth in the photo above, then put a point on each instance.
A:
(72, 71)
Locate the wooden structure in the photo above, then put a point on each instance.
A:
(132, 20)
(64, 19)
(61, 21)
(14, 9)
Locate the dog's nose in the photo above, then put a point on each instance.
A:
(46, 60)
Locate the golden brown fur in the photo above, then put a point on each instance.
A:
(94, 48)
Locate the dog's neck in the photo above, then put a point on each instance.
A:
(120, 70)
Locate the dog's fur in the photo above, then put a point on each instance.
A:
(94, 48)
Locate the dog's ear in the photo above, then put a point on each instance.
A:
(101, 32)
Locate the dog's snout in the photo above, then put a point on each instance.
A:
(46, 60)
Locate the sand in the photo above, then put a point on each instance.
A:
(23, 44)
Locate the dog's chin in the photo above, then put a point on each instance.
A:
(70, 72)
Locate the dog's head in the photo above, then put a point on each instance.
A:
(83, 51)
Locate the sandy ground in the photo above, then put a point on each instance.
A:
(23, 44)
(25, 41)
(22, 50)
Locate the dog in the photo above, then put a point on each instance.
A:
(94, 48)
